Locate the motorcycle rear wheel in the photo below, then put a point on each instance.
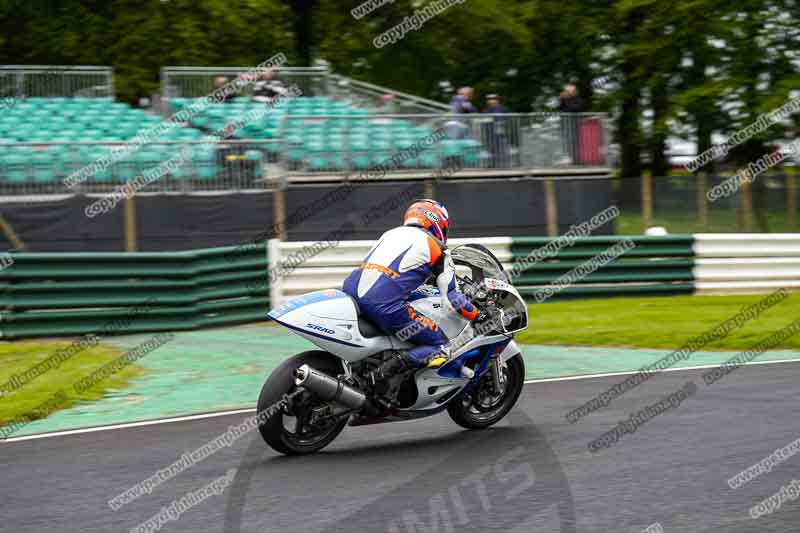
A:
(468, 412)
(274, 430)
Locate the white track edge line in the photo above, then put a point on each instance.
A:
(188, 418)
(127, 425)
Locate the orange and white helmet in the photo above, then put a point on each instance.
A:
(429, 215)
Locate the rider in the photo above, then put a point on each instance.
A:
(402, 260)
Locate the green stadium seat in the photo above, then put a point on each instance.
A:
(317, 162)
(93, 135)
(381, 143)
(125, 168)
(402, 141)
(428, 159)
(471, 151)
(358, 142)
(361, 160)
(335, 143)
(44, 164)
(204, 161)
(97, 154)
(176, 104)
(258, 158)
(295, 153)
(42, 136)
(337, 161)
(182, 172)
(15, 167)
(451, 148)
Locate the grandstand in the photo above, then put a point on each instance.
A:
(322, 134)
(331, 130)
(48, 131)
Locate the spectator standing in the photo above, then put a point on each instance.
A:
(387, 104)
(496, 132)
(493, 105)
(267, 88)
(462, 101)
(461, 104)
(570, 105)
(219, 83)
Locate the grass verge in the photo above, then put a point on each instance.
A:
(660, 322)
(26, 401)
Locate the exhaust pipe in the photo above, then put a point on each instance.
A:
(327, 388)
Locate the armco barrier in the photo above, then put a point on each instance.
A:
(746, 263)
(76, 293)
(657, 265)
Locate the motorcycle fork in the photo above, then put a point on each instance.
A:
(498, 376)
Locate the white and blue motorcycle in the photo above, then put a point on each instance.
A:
(320, 391)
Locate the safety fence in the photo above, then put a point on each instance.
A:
(25, 81)
(328, 143)
(383, 99)
(693, 203)
(50, 294)
(195, 82)
(302, 148)
(187, 165)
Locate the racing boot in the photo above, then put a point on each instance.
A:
(439, 357)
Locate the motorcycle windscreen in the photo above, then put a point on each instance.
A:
(480, 262)
(514, 311)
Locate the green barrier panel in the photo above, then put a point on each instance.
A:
(129, 295)
(656, 265)
(73, 293)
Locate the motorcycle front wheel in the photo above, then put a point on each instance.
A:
(484, 406)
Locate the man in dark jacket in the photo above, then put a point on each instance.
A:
(496, 132)
(267, 88)
(570, 102)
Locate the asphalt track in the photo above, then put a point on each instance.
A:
(532, 472)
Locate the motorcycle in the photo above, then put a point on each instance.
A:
(320, 391)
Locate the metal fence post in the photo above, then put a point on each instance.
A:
(273, 260)
(647, 200)
(745, 208)
(791, 198)
(702, 203)
(130, 225)
(551, 207)
(110, 75)
(279, 208)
